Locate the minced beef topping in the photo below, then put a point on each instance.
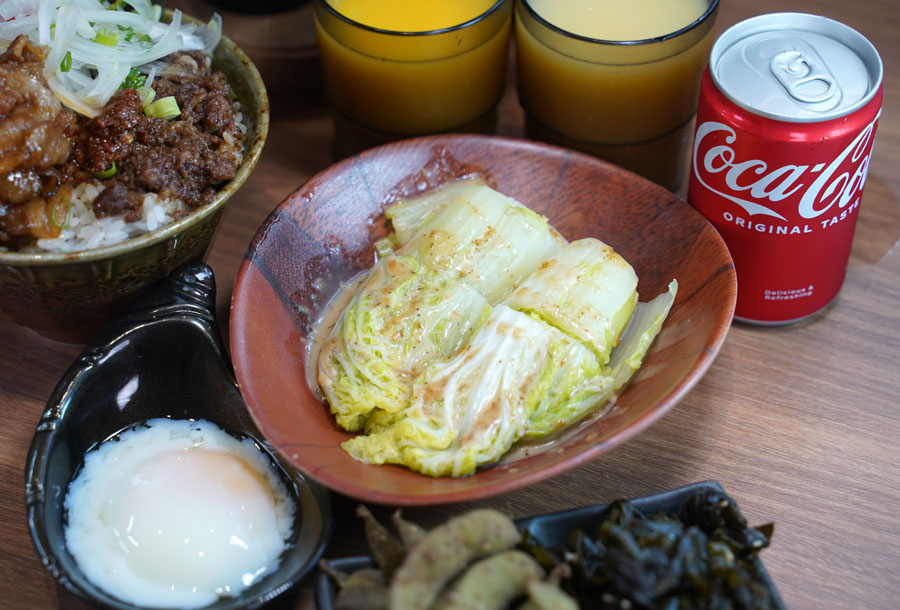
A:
(187, 158)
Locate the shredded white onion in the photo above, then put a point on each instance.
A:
(11, 8)
(70, 29)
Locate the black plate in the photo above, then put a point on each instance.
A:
(551, 529)
(168, 349)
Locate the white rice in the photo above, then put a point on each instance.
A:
(84, 231)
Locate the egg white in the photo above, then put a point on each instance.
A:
(177, 513)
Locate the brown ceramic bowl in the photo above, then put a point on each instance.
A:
(322, 234)
(70, 296)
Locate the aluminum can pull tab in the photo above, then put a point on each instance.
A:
(804, 76)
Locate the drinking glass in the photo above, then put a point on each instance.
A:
(386, 85)
(629, 102)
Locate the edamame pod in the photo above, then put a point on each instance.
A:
(387, 551)
(491, 583)
(546, 595)
(363, 589)
(445, 551)
(410, 533)
(339, 578)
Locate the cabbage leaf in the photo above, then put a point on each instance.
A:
(403, 317)
(645, 324)
(408, 215)
(571, 402)
(481, 326)
(486, 239)
(469, 410)
(586, 290)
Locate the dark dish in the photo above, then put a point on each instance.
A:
(544, 532)
(168, 341)
(695, 552)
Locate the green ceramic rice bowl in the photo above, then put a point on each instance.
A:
(68, 296)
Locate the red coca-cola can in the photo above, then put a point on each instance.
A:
(785, 125)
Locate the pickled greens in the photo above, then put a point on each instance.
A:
(403, 317)
(479, 327)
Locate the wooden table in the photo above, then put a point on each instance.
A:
(800, 424)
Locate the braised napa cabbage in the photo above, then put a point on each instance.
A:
(479, 327)
(587, 290)
(560, 409)
(402, 317)
(409, 215)
(485, 239)
(469, 410)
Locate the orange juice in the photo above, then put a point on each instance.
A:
(411, 15)
(581, 89)
(622, 19)
(435, 79)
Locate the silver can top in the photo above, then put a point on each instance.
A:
(795, 67)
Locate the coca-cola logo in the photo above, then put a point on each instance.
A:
(818, 188)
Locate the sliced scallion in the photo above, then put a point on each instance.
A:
(134, 80)
(164, 108)
(106, 37)
(66, 64)
(59, 214)
(147, 94)
(109, 172)
(142, 38)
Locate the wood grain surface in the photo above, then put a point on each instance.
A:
(800, 424)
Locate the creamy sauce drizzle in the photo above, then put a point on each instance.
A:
(321, 328)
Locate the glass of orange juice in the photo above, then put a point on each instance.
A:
(401, 68)
(615, 78)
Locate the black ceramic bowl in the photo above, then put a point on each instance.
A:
(169, 342)
(552, 529)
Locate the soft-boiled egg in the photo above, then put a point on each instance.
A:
(177, 513)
